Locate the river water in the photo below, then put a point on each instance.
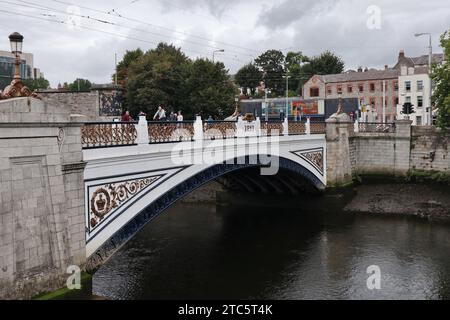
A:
(259, 247)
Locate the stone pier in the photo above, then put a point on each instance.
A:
(41, 197)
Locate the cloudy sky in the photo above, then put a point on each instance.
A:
(363, 32)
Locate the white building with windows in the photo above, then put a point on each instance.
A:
(414, 87)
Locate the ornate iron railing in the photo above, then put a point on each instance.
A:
(377, 127)
(317, 127)
(108, 134)
(297, 128)
(170, 131)
(272, 128)
(219, 129)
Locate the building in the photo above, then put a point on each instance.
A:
(412, 62)
(27, 70)
(374, 89)
(414, 85)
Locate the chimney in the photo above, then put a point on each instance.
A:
(386, 67)
(359, 69)
(366, 69)
(401, 54)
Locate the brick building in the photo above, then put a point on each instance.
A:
(365, 85)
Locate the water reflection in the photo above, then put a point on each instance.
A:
(272, 249)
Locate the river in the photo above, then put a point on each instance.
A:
(277, 247)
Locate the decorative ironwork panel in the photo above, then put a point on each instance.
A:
(271, 128)
(313, 157)
(108, 134)
(297, 128)
(164, 132)
(107, 198)
(317, 127)
(219, 130)
(377, 127)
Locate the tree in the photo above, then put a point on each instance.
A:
(326, 63)
(210, 90)
(294, 67)
(249, 77)
(123, 66)
(441, 78)
(157, 78)
(37, 84)
(272, 63)
(78, 85)
(166, 76)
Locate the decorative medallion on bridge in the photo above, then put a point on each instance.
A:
(313, 156)
(109, 197)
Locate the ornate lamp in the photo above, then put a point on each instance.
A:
(16, 88)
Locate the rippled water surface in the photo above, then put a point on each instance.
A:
(271, 248)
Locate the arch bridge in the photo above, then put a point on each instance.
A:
(135, 171)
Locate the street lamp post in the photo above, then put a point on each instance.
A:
(16, 89)
(214, 53)
(287, 95)
(430, 62)
(16, 41)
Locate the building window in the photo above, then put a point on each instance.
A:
(349, 88)
(419, 102)
(372, 102)
(372, 87)
(419, 85)
(314, 92)
(339, 89)
(408, 85)
(395, 85)
(408, 99)
(396, 101)
(329, 90)
(418, 120)
(361, 88)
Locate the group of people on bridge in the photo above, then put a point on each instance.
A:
(160, 115)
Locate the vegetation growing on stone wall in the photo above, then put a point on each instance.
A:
(422, 176)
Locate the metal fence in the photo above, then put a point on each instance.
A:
(108, 134)
(170, 131)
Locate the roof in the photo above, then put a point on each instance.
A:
(361, 76)
(423, 60)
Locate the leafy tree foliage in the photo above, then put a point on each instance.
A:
(299, 67)
(37, 84)
(249, 77)
(166, 76)
(441, 79)
(78, 85)
(272, 63)
(124, 65)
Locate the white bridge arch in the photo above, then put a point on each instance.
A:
(128, 186)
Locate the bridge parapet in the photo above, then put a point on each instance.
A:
(116, 134)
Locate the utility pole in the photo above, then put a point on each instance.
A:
(384, 101)
(115, 63)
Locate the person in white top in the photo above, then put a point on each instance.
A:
(180, 116)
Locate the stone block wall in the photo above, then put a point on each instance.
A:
(41, 197)
(430, 149)
(81, 103)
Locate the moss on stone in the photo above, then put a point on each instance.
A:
(66, 294)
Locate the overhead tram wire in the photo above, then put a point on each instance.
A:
(43, 8)
(155, 26)
(90, 29)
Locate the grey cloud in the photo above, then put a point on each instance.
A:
(290, 11)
